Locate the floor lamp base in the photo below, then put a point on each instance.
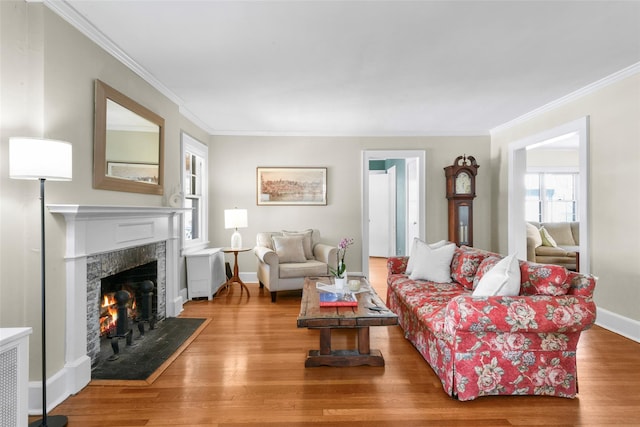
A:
(52, 421)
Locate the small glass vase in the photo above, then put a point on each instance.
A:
(340, 282)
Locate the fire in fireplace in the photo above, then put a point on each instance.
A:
(128, 297)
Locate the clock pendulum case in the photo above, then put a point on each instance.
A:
(461, 190)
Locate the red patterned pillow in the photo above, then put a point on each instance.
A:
(465, 264)
(487, 264)
(543, 279)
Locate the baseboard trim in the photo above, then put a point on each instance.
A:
(250, 277)
(64, 383)
(618, 324)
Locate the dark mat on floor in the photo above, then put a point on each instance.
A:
(142, 359)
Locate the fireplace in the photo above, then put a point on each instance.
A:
(102, 241)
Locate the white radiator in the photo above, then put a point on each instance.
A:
(14, 376)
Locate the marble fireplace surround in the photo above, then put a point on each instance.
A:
(93, 230)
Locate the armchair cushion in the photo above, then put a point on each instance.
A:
(302, 269)
(307, 243)
(547, 240)
(289, 248)
(533, 235)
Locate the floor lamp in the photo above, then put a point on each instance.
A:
(41, 159)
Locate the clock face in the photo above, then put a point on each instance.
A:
(463, 183)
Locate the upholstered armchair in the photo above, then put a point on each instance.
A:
(286, 258)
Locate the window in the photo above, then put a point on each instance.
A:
(551, 197)
(194, 188)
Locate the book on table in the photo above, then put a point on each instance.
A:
(333, 299)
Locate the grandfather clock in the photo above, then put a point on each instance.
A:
(461, 190)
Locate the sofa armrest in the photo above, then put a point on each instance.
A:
(326, 253)
(267, 256)
(535, 313)
(397, 264)
(531, 249)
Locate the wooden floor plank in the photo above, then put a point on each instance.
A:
(246, 368)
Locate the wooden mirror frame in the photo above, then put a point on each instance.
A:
(103, 181)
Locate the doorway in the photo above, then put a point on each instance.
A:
(410, 198)
(516, 192)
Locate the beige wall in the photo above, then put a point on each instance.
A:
(614, 200)
(48, 74)
(232, 167)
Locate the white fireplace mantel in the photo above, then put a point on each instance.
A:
(95, 229)
(91, 230)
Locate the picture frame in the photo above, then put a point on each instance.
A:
(146, 173)
(278, 186)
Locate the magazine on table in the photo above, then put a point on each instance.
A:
(334, 299)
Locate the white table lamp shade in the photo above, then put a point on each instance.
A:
(235, 218)
(35, 158)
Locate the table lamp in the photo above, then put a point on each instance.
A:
(41, 159)
(235, 218)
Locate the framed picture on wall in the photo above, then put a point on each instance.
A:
(291, 186)
(141, 172)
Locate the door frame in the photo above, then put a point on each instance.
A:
(368, 155)
(517, 240)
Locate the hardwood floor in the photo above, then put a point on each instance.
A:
(246, 368)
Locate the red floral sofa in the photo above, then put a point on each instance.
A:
(480, 346)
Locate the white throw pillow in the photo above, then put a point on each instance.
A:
(502, 280)
(289, 248)
(412, 254)
(432, 264)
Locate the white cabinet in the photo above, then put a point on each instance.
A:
(205, 272)
(14, 376)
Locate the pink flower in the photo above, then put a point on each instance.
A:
(342, 251)
(552, 342)
(520, 315)
(556, 375)
(562, 316)
(515, 341)
(489, 379)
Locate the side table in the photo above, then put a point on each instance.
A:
(236, 276)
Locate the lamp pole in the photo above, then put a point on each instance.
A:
(55, 420)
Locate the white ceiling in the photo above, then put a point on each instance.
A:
(363, 67)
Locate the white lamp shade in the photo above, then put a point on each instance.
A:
(35, 158)
(235, 218)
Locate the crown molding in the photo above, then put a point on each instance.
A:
(408, 134)
(73, 17)
(586, 90)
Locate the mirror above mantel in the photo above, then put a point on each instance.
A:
(128, 152)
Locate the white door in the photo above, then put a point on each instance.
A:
(413, 203)
(379, 218)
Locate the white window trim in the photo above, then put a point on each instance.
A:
(192, 145)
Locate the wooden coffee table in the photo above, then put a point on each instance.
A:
(371, 311)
